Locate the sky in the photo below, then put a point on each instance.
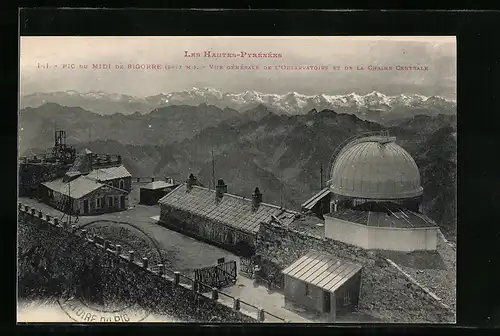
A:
(438, 54)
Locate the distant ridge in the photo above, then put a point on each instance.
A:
(290, 103)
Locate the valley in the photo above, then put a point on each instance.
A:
(282, 154)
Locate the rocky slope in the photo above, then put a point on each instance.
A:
(160, 126)
(282, 154)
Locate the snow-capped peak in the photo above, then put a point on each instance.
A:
(291, 102)
(376, 94)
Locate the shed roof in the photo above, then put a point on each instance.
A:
(402, 218)
(157, 185)
(111, 173)
(77, 188)
(232, 210)
(310, 203)
(324, 271)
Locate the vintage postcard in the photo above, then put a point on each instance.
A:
(237, 179)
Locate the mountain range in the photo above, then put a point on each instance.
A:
(160, 126)
(374, 106)
(280, 153)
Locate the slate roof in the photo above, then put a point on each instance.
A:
(111, 173)
(157, 185)
(310, 203)
(397, 219)
(78, 188)
(232, 210)
(324, 271)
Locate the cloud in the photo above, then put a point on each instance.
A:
(438, 53)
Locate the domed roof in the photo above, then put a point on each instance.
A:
(376, 168)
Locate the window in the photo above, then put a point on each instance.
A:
(347, 298)
(307, 290)
(122, 184)
(110, 201)
(99, 202)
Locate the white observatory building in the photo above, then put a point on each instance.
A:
(373, 197)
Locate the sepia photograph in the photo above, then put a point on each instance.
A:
(219, 179)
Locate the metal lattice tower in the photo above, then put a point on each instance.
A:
(60, 150)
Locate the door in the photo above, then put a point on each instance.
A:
(122, 202)
(326, 302)
(86, 206)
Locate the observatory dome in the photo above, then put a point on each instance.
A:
(375, 168)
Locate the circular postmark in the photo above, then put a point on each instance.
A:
(102, 287)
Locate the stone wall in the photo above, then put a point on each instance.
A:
(210, 231)
(387, 238)
(43, 242)
(385, 292)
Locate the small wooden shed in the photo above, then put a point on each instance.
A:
(324, 284)
(151, 193)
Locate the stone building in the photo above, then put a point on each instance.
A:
(152, 192)
(220, 218)
(324, 284)
(85, 190)
(373, 198)
(83, 196)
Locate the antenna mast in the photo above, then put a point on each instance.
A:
(213, 169)
(69, 202)
(321, 176)
(281, 189)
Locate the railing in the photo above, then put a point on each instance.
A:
(103, 160)
(144, 179)
(186, 280)
(347, 141)
(46, 157)
(147, 179)
(97, 159)
(273, 316)
(245, 306)
(168, 274)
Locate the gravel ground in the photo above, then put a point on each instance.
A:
(441, 281)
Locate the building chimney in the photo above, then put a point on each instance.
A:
(256, 198)
(191, 181)
(220, 189)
